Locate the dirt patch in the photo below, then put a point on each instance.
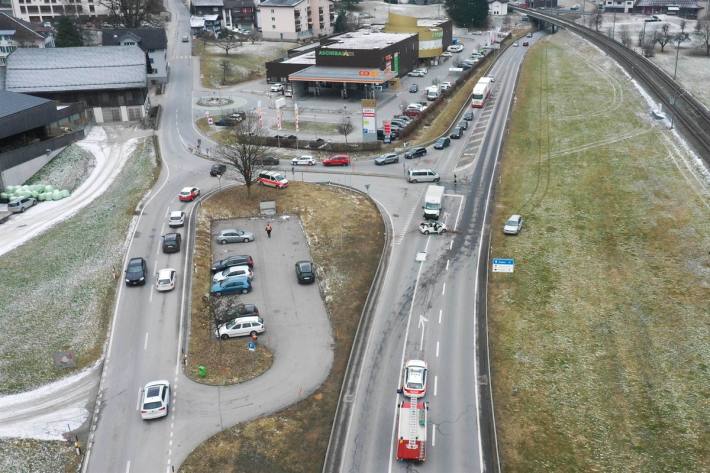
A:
(24, 455)
(346, 237)
(599, 338)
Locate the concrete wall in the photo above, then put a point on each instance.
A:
(19, 174)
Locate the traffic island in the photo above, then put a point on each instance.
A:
(346, 238)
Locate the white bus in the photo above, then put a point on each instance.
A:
(481, 92)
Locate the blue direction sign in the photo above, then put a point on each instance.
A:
(251, 346)
(503, 265)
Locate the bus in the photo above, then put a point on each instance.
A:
(481, 92)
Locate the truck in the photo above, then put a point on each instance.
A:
(433, 200)
(432, 92)
(481, 92)
(412, 430)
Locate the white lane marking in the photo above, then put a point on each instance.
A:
(458, 212)
(443, 289)
(145, 342)
(451, 244)
(404, 348)
(441, 311)
(150, 296)
(128, 466)
(447, 265)
(437, 348)
(433, 435)
(436, 384)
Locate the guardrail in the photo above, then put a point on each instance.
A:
(693, 117)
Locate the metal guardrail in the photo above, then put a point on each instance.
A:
(693, 117)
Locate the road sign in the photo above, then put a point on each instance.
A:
(503, 265)
(251, 346)
(210, 121)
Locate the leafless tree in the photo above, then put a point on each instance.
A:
(596, 18)
(244, 149)
(664, 36)
(130, 13)
(625, 35)
(227, 42)
(702, 32)
(648, 45)
(682, 25)
(225, 70)
(345, 127)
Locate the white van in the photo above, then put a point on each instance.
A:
(432, 92)
(422, 175)
(433, 200)
(272, 179)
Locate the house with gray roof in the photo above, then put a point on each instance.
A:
(16, 33)
(110, 81)
(153, 42)
(682, 8)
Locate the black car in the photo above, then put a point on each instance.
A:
(218, 170)
(171, 242)
(135, 272)
(415, 153)
(463, 124)
(241, 310)
(234, 260)
(267, 161)
(456, 133)
(305, 272)
(468, 116)
(414, 88)
(442, 143)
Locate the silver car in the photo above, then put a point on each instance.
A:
(513, 225)
(21, 204)
(234, 236)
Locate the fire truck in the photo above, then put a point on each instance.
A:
(411, 429)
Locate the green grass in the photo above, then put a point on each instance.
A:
(57, 290)
(599, 339)
(67, 170)
(241, 66)
(313, 127)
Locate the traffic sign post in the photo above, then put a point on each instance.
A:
(503, 265)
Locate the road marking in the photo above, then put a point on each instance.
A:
(443, 289)
(145, 342)
(128, 466)
(436, 383)
(433, 435)
(441, 311)
(451, 244)
(437, 350)
(150, 296)
(422, 325)
(447, 265)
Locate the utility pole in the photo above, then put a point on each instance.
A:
(613, 27)
(677, 50)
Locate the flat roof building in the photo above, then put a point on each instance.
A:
(435, 35)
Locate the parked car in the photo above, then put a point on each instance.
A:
(415, 153)
(185, 39)
(234, 260)
(171, 242)
(652, 19)
(415, 73)
(442, 143)
(218, 170)
(516, 44)
(165, 281)
(513, 225)
(233, 285)
(267, 161)
(188, 194)
(415, 379)
(135, 272)
(468, 116)
(246, 326)
(232, 235)
(20, 204)
(337, 160)
(432, 226)
(305, 272)
(529, 35)
(455, 48)
(446, 54)
(463, 124)
(464, 66)
(156, 400)
(304, 160)
(456, 133)
(445, 85)
(243, 270)
(176, 219)
(238, 312)
(525, 43)
(413, 89)
(277, 87)
(388, 158)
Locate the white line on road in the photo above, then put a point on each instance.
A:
(443, 289)
(145, 342)
(451, 244)
(433, 435)
(437, 348)
(436, 381)
(128, 466)
(441, 311)
(447, 265)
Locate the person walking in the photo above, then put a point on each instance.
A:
(268, 230)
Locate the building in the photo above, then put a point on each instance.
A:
(39, 11)
(208, 23)
(352, 64)
(434, 35)
(32, 130)
(16, 33)
(682, 8)
(498, 7)
(239, 14)
(207, 7)
(540, 3)
(295, 19)
(110, 81)
(153, 42)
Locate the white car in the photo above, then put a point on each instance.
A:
(276, 87)
(233, 271)
(304, 160)
(415, 378)
(415, 73)
(445, 85)
(165, 281)
(176, 219)
(446, 54)
(240, 327)
(156, 399)
(513, 225)
(432, 227)
(455, 48)
(516, 44)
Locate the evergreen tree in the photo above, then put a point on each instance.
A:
(341, 22)
(68, 34)
(467, 13)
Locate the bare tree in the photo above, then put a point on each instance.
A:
(625, 35)
(227, 42)
(648, 45)
(664, 36)
(596, 18)
(244, 149)
(345, 127)
(702, 32)
(130, 13)
(225, 70)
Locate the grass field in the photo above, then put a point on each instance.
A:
(23, 456)
(294, 440)
(243, 64)
(67, 170)
(57, 290)
(599, 340)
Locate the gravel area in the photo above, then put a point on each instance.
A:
(33, 456)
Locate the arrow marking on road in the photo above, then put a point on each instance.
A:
(422, 322)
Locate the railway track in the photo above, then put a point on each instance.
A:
(692, 117)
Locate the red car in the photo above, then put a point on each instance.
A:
(188, 194)
(337, 160)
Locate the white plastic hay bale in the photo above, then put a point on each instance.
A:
(49, 188)
(65, 193)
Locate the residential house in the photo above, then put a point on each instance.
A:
(239, 13)
(153, 42)
(619, 6)
(39, 11)
(209, 23)
(498, 7)
(681, 8)
(295, 19)
(16, 33)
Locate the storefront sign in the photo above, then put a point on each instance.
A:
(334, 52)
(388, 63)
(369, 121)
(396, 63)
(369, 73)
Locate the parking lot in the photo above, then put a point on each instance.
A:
(292, 313)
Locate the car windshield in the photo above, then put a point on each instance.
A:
(164, 282)
(306, 267)
(431, 206)
(134, 266)
(512, 222)
(152, 405)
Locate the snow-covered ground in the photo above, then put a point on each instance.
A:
(34, 456)
(67, 170)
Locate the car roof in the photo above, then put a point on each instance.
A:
(228, 230)
(176, 213)
(160, 382)
(303, 263)
(187, 189)
(165, 273)
(250, 318)
(238, 267)
(237, 277)
(171, 235)
(419, 363)
(514, 217)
